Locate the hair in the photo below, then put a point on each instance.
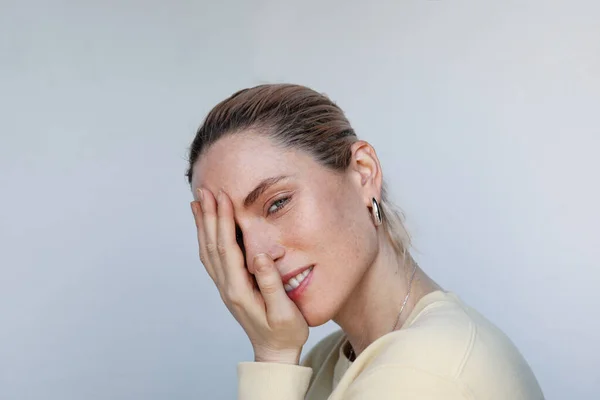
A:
(298, 117)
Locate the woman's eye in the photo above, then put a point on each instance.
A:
(239, 237)
(278, 205)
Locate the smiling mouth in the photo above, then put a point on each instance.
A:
(294, 282)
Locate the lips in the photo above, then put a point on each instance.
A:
(294, 279)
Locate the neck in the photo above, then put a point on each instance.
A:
(374, 306)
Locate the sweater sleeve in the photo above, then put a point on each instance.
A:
(272, 381)
(404, 383)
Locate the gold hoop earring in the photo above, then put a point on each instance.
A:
(376, 213)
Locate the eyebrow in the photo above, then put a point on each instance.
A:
(261, 188)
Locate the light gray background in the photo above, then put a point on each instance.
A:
(485, 116)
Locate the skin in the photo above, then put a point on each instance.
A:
(313, 217)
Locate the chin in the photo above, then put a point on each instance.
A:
(316, 317)
(314, 322)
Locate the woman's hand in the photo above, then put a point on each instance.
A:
(273, 323)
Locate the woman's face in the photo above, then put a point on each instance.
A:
(306, 216)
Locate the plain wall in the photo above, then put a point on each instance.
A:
(485, 116)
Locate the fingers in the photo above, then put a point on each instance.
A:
(277, 302)
(219, 251)
(209, 218)
(206, 222)
(197, 211)
(231, 257)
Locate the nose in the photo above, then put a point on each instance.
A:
(259, 239)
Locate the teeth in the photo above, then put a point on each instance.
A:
(297, 280)
(294, 283)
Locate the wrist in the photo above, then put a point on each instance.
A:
(279, 356)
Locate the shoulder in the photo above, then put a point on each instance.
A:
(439, 338)
(449, 340)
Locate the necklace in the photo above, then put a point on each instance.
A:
(352, 355)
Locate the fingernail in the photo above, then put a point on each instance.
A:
(201, 196)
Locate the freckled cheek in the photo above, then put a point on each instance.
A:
(297, 234)
(318, 234)
(315, 228)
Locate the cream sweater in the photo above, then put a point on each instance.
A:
(445, 350)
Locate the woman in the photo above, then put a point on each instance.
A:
(295, 228)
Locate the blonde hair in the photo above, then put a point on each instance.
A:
(294, 116)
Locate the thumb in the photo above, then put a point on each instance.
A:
(270, 285)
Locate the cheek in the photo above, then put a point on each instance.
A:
(343, 234)
(342, 241)
(333, 229)
(316, 223)
(357, 248)
(351, 227)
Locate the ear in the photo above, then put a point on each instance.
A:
(366, 170)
